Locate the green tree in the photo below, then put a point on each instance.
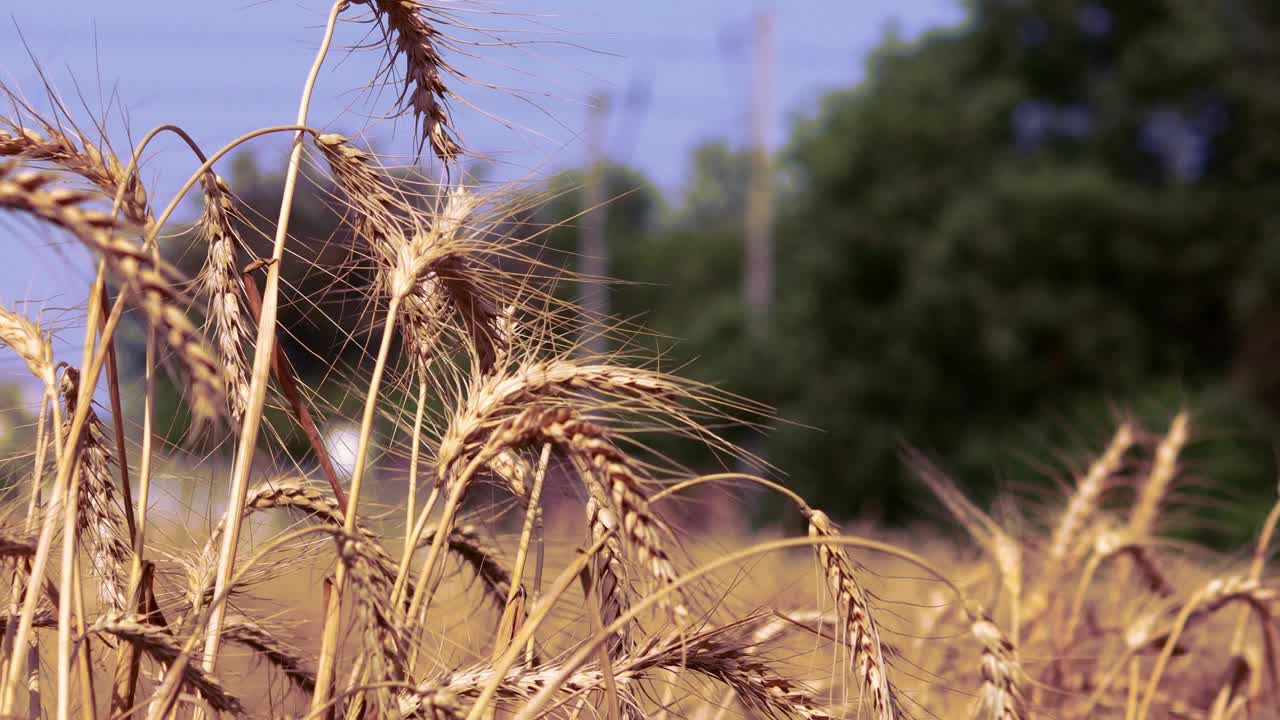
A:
(1010, 229)
(1058, 200)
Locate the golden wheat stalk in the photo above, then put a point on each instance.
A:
(1005, 552)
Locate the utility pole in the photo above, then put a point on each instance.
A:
(758, 266)
(593, 247)
(757, 275)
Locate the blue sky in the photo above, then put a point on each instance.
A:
(221, 68)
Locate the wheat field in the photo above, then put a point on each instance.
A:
(531, 557)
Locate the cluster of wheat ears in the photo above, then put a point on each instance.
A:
(1094, 617)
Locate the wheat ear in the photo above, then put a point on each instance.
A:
(851, 602)
(28, 342)
(100, 521)
(241, 630)
(619, 477)
(712, 653)
(409, 31)
(162, 647)
(82, 157)
(1085, 500)
(419, 257)
(1152, 493)
(609, 570)
(386, 648)
(1003, 677)
(222, 285)
(150, 283)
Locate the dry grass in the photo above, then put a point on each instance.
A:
(604, 603)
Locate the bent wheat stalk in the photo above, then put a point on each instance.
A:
(160, 645)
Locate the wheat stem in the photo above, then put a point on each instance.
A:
(71, 500)
(415, 452)
(125, 686)
(533, 503)
(84, 662)
(262, 351)
(329, 639)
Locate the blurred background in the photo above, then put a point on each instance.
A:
(987, 228)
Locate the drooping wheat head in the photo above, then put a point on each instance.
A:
(152, 285)
(410, 29)
(72, 151)
(863, 637)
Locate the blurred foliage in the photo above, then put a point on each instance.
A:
(17, 434)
